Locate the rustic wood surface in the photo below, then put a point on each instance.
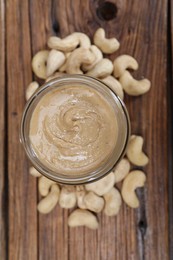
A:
(144, 30)
(170, 120)
(3, 135)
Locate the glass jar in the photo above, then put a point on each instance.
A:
(122, 123)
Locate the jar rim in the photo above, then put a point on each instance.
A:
(49, 173)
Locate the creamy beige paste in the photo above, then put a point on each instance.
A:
(73, 130)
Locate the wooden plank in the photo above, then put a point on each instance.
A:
(53, 229)
(148, 113)
(142, 35)
(22, 187)
(3, 190)
(170, 120)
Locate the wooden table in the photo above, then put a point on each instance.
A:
(144, 30)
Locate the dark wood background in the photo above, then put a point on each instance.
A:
(144, 30)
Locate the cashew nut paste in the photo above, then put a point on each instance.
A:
(73, 130)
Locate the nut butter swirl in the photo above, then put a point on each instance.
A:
(73, 130)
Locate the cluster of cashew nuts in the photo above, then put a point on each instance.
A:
(76, 55)
(99, 196)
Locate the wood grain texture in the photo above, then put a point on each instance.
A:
(133, 234)
(170, 121)
(3, 213)
(22, 187)
(146, 41)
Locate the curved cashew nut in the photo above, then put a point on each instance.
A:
(67, 44)
(39, 63)
(134, 151)
(67, 198)
(34, 172)
(84, 40)
(103, 185)
(54, 61)
(134, 180)
(114, 85)
(55, 75)
(70, 42)
(63, 67)
(77, 58)
(49, 202)
(102, 69)
(98, 56)
(83, 217)
(44, 185)
(122, 63)
(113, 202)
(80, 194)
(106, 45)
(121, 170)
(132, 86)
(93, 202)
(32, 87)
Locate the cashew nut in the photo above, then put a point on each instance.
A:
(83, 217)
(63, 67)
(77, 58)
(113, 202)
(134, 151)
(32, 87)
(83, 39)
(34, 172)
(121, 170)
(103, 185)
(70, 42)
(80, 194)
(49, 202)
(132, 86)
(39, 64)
(114, 85)
(55, 75)
(93, 202)
(134, 180)
(67, 198)
(54, 61)
(44, 185)
(102, 69)
(122, 63)
(106, 45)
(98, 56)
